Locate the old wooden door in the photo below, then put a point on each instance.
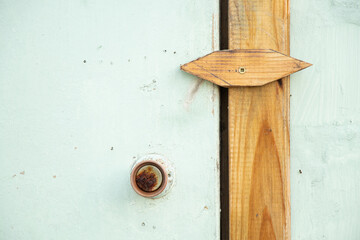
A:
(88, 87)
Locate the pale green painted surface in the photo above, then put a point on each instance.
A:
(325, 120)
(60, 117)
(70, 131)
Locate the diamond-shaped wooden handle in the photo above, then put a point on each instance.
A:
(244, 67)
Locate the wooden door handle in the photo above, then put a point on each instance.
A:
(244, 67)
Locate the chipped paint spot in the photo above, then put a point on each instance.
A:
(149, 87)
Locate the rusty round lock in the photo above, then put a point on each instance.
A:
(152, 176)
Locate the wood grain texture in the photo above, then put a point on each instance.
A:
(259, 128)
(260, 66)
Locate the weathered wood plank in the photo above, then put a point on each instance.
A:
(259, 128)
(244, 67)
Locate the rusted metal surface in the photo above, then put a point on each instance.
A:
(152, 176)
(149, 178)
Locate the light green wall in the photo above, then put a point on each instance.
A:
(70, 131)
(325, 120)
(60, 117)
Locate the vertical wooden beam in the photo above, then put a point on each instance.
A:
(259, 128)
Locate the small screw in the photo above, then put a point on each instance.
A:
(242, 70)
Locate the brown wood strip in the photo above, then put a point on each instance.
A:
(259, 128)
